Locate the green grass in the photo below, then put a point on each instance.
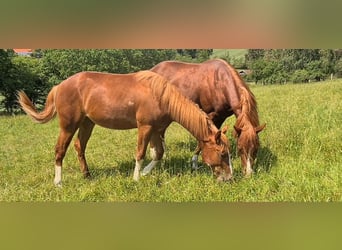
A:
(300, 157)
(233, 53)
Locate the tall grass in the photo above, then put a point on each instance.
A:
(300, 157)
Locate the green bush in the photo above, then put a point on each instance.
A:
(300, 76)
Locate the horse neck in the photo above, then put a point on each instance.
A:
(248, 119)
(235, 90)
(247, 111)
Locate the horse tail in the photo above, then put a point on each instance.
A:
(44, 116)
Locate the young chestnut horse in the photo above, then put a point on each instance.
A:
(142, 100)
(219, 90)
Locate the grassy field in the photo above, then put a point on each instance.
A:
(233, 53)
(300, 157)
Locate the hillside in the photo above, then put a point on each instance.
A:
(233, 53)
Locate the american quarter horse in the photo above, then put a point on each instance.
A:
(142, 100)
(219, 91)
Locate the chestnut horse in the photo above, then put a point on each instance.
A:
(142, 100)
(219, 90)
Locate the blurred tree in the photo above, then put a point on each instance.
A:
(145, 59)
(58, 65)
(298, 65)
(5, 65)
(194, 55)
(22, 75)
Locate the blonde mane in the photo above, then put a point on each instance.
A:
(180, 109)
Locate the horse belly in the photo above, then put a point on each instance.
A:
(114, 117)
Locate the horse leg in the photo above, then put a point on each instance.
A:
(63, 142)
(157, 148)
(81, 141)
(144, 135)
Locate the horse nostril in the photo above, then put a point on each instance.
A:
(228, 178)
(231, 179)
(220, 179)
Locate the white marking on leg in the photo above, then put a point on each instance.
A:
(137, 170)
(58, 176)
(194, 161)
(149, 168)
(153, 153)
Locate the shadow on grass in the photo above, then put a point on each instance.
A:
(176, 161)
(180, 165)
(124, 169)
(266, 160)
(172, 166)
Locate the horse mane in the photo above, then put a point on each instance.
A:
(248, 103)
(180, 109)
(249, 112)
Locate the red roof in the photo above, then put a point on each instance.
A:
(20, 51)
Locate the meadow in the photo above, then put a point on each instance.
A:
(300, 158)
(234, 54)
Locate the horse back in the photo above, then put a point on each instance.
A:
(116, 101)
(213, 84)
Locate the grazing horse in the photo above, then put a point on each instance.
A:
(220, 92)
(142, 100)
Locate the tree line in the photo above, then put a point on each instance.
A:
(269, 66)
(45, 68)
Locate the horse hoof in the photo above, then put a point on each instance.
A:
(58, 185)
(248, 175)
(135, 177)
(87, 175)
(145, 172)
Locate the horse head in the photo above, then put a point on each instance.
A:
(247, 146)
(216, 154)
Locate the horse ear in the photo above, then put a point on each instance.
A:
(211, 115)
(218, 137)
(237, 131)
(224, 129)
(260, 128)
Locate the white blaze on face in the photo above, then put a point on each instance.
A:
(58, 176)
(153, 153)
(249, 169)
